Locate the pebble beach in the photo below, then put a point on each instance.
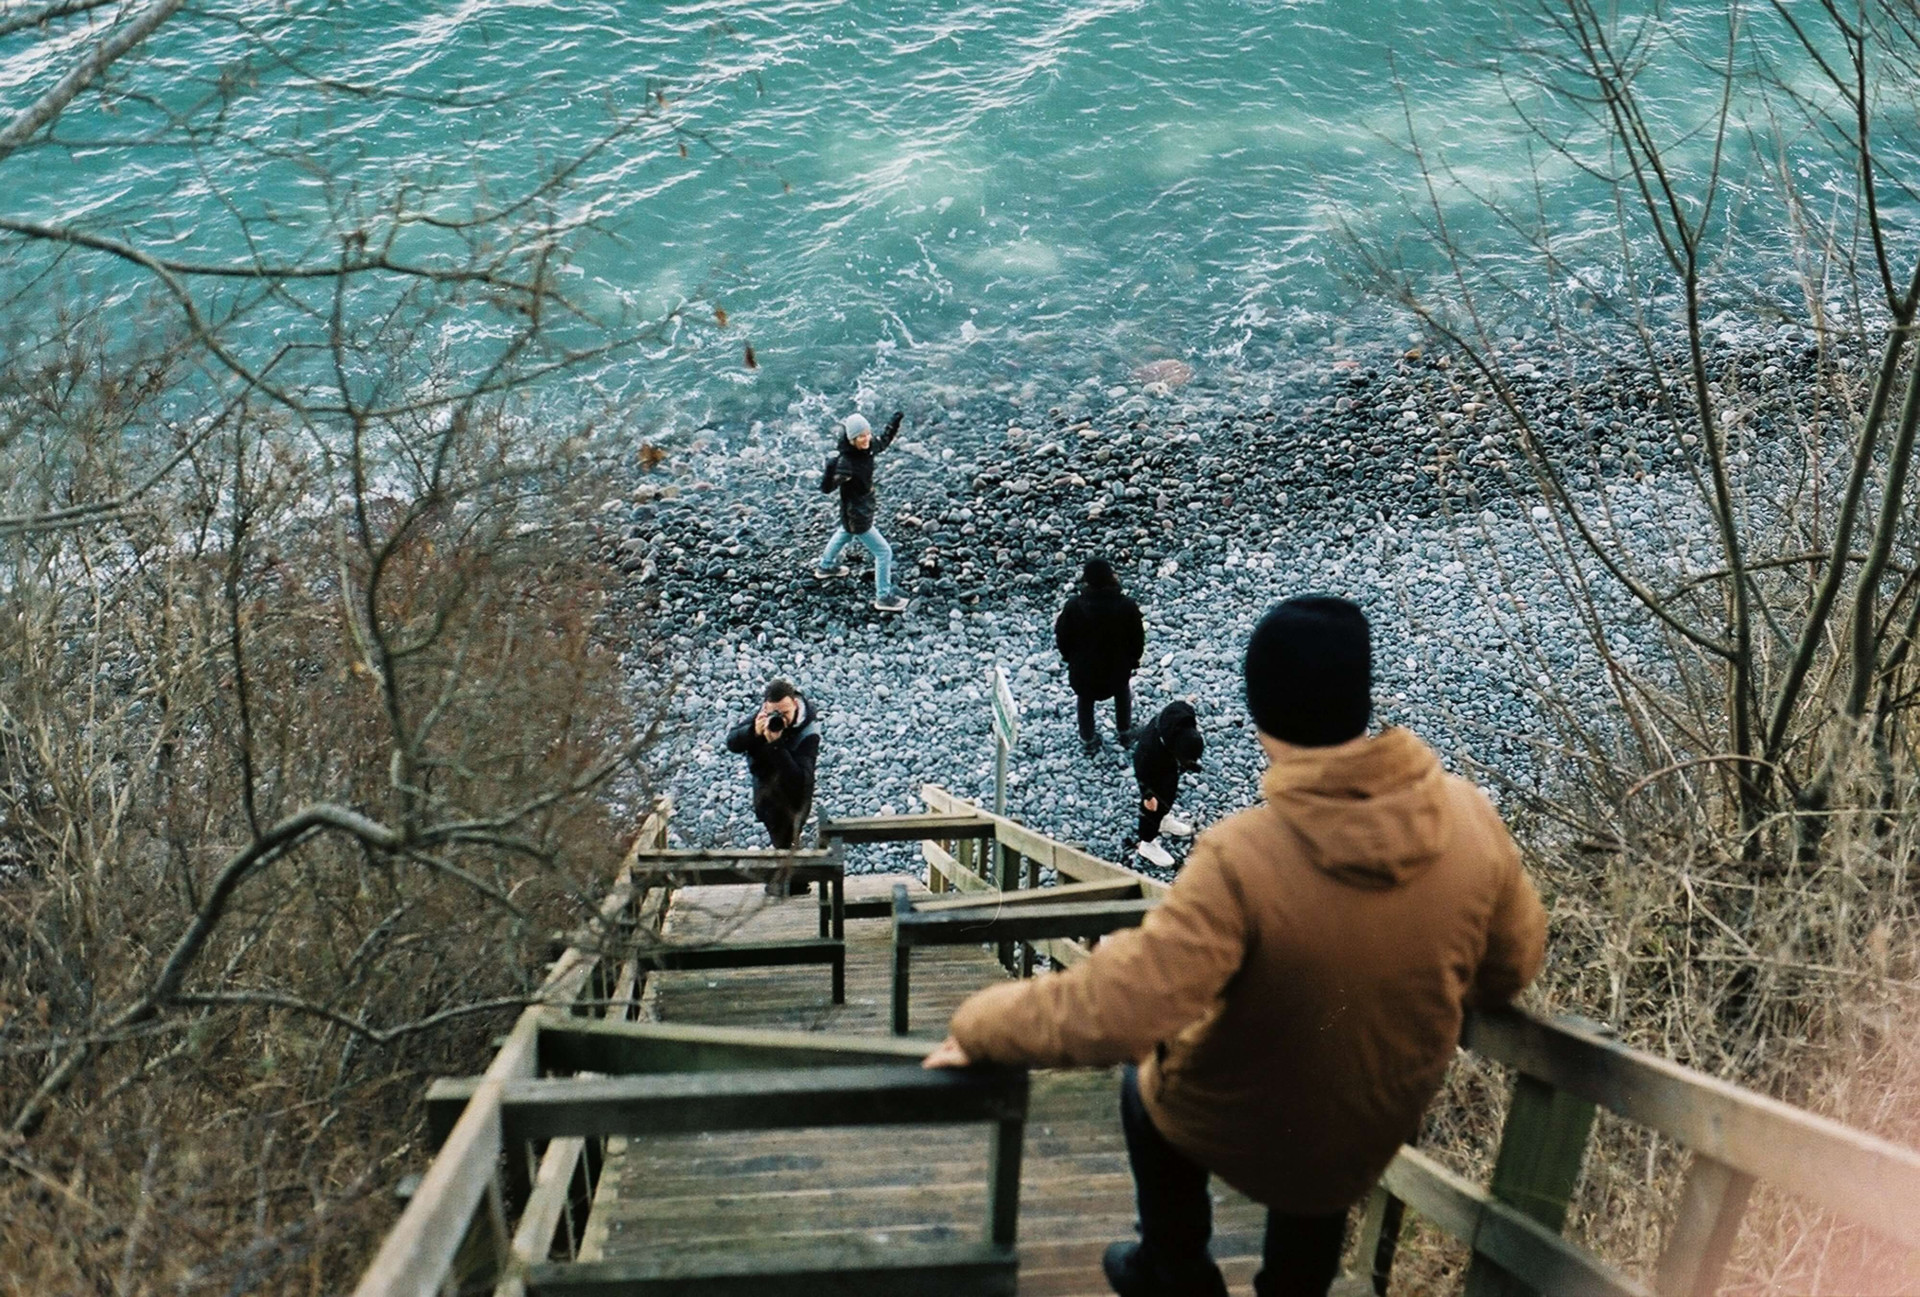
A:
(1388, 477)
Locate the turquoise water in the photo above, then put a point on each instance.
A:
(881, 196)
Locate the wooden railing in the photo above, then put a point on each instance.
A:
(1564, 1069)
(457, 1221)
(1075, 911)
(502, 1207)
(772, 870)
(489, 1207)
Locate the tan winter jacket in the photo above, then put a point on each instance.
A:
(1296, 998)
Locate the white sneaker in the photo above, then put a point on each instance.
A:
(1174, 827)
(1154, 854)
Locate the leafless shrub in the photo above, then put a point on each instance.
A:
(1727, 846)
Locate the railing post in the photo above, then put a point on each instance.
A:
(1380, 1236)
(1711, 1206)
(1008, 879)
(902, 958)
(1537, 1168)
(1003, 1181)
(1026, 947)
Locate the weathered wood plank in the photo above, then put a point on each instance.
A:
(415, 1255)
(993, 921)
(634, 1048)
(743, 954)
(1866, 1179)
(1520, 1245)
(845, 1269)
(1069, 861)
(734, 872)
(1704, 1229)
(705, 1101)
(533, 1238)
(1538, 1165)
(1120, 889)
(907, 828)
(944, 864)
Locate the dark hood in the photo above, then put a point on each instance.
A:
(1180, 730)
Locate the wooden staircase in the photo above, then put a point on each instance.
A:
(688, 1113)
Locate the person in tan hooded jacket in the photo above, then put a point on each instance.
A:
(1294, 1001)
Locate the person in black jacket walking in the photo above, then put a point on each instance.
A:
(851, 473)
(1101, 636)
(781, 742)
(1165, 746)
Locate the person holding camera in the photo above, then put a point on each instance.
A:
(781, 742)
(851, 473)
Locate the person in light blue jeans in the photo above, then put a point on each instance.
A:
(850, 472)
(875, 544)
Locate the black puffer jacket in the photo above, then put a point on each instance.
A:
(782, 770)
(1101, 636)
(851, 470)
(1166, 745)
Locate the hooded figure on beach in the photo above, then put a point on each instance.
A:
(850, 472)
(1164, 747)
(1101, 636)
(1288, 1010)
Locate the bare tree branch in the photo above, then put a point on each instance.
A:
(118, 42)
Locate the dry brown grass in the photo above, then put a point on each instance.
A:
(267, 634)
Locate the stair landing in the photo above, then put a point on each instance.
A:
(878, 1184)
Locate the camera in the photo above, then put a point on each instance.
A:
(776, 723)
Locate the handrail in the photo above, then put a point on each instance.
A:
(420, 1249)
(1564, 1069)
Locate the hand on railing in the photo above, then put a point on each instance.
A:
(947, 1054)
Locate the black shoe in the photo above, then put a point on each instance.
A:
(1090, 746)
(1129, 1278)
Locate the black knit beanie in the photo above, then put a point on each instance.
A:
(1310, 671)
(1097, 574)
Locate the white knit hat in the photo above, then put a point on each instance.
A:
(854, 425)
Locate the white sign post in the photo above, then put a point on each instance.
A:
(1006, 732)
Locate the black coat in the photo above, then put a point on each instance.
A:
(1166, 745)
(851, 470)
(1101, 636)
(782, 770)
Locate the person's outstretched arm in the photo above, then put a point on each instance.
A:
(885, 439)
(1138, 988)
(830, 478)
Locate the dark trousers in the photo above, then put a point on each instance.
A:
(1150, 820)
(1122, 714)
(1301, 1254)
(782, 820)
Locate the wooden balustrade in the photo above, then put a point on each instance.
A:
(660, 1078)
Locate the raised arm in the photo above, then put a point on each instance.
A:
(742, 737)
(885, 439)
